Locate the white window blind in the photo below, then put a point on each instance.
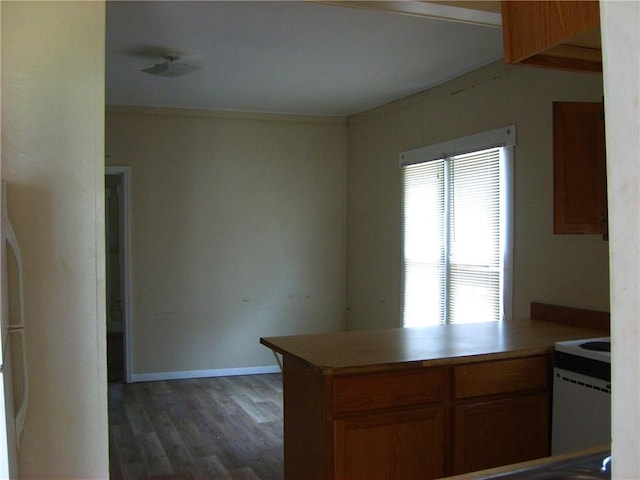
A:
(455, 230)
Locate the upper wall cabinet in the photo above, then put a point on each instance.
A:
(579, 176)
(557, 34)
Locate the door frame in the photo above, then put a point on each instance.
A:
(126, 255)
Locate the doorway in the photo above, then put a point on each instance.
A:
(117, 273)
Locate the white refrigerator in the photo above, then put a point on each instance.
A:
(13, 368)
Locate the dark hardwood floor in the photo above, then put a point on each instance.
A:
(211, 428)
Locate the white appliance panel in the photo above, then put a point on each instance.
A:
(581, 412)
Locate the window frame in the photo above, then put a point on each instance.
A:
(505, 138)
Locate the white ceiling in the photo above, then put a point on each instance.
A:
(285, 57)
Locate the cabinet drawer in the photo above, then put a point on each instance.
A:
(504, 376)
(394, 389)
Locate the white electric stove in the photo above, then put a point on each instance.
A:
(594, 348)
(581, 395)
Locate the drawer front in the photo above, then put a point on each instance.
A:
(504, 376)
(357, 393)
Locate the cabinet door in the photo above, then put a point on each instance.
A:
(391, 445)
(500, 432)
(579, 172)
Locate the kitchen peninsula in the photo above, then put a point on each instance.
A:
(418, 402)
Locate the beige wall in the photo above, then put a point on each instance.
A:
(621, 53)
(52, 157)
(238, 232)
(53, 153)
(562, 269)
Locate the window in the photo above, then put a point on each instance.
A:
(456, 230)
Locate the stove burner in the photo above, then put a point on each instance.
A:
(597, 346)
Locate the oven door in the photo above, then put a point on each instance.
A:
(581, 412)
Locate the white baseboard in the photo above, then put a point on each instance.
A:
(222, 372)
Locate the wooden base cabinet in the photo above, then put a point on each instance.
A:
(414, 423)
(501, 412)
(391, 445)
(500, 432)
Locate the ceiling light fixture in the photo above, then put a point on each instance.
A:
(170, 68)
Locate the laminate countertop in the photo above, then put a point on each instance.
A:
(371, 350)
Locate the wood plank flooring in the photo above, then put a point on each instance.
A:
(210, 428)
